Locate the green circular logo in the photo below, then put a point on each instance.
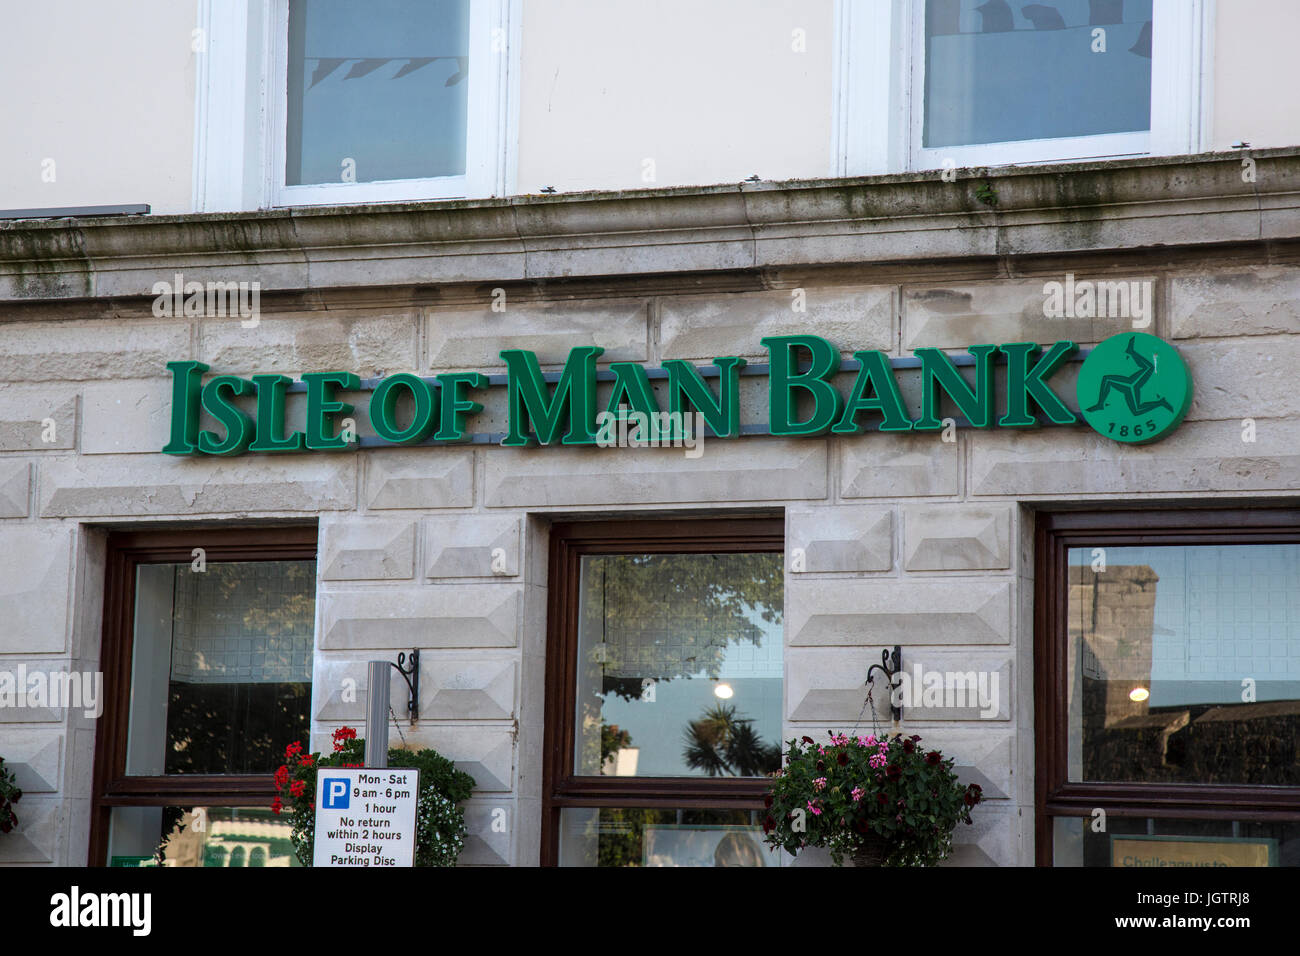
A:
(1134, 388)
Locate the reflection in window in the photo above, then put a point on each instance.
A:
(200, 837)
(997, 72)
(1184, 664)
(679, 665)
(376, 90)
(645, 837)
(221, 666)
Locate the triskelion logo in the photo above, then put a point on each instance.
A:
(1134, 388)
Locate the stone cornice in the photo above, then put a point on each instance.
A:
(1064, 209)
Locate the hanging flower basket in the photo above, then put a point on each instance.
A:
(880, 801)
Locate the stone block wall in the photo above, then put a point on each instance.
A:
(903, 540)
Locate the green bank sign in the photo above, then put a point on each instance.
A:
(1132, 388)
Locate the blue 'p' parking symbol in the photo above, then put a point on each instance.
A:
(336, 793)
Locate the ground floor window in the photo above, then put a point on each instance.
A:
(1168, 688)
(207, 658)
(665, 691)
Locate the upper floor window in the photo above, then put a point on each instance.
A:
(997, 82)
(332, 102)
(376, 92)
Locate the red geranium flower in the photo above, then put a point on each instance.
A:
(296, 788)
(281, 777)
(276, 805)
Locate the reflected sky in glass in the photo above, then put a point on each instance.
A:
(382, 83)
(1000, 72)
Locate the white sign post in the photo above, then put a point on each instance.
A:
(365, 817)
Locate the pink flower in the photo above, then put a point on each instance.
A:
(816, 810)
(858, 794)
(819, 783)
(877, 760)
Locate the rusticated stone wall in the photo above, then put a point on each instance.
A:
(906, 539)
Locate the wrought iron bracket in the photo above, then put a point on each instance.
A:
(890, 665)
(411, 675)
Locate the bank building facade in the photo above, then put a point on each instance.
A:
(646, 384)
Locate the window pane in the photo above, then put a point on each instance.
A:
(1137, 842)
(221, 666)
(639, 837)
(679, 665)
(199, 836)
(1184, 664)
(382, 84)
(995, 73)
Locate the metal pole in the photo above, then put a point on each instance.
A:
(377, 714)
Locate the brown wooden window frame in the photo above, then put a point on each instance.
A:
(569, 543)
(127, 550)
(1055, 795)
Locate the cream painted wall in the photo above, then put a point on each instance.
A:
(105, 89)
(710, 90)
(1256, 73)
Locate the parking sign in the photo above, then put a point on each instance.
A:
(365, 817)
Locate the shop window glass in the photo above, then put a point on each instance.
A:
(1167, 687)
(189, 837)
(207, 656)
(1141, 842)
(221, 670)
(1184, 664)
(680, 665)
(648, 837)
(666, 711)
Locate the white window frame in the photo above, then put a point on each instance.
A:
(879, 94)
(241, 112)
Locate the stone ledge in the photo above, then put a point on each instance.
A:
(1062, 208)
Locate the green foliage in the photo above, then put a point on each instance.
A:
(987, 194)
(214, 855)
(612, 740)
(722, 744)
(9, 795)
(709, 596)
(853, 790)
(439, 818)
(622, 831)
